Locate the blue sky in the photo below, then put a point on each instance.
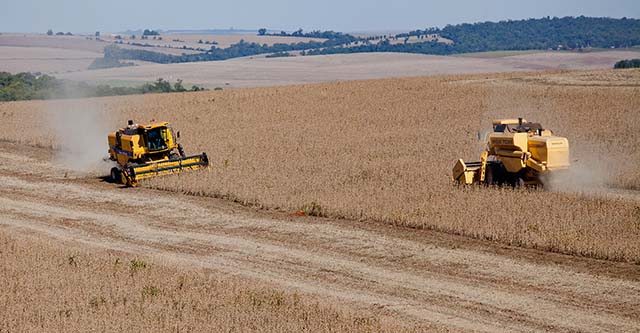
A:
(339, 15)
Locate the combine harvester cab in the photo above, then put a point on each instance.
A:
(518, 153)
(145, 151)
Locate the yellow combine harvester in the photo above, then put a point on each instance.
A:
(145, 151)
(518, 153)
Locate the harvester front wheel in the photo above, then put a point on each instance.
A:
(116, 175)
(494, 175)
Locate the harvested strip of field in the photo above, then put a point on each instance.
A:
(383, 150)
(205, 41)
(253, 72)
(78, 43)
(15, 59)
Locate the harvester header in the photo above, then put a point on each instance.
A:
(149, 150)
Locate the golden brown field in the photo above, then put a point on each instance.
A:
(257, 71)
(66, 230)
(382, 150)
(79, 253)
(16, 59)
(62, 54)
(80, 43)
(72, 289)
(68, 57)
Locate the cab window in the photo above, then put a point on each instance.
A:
(156, 139)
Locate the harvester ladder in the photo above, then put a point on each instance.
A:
(483, 165)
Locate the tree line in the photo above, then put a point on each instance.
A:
(329, 34)
(59, 33)
(545, 33)
(629, 63)
(568, 33)
(109, 62)
(240, 49)
(532, 34)
(28, 86)
(434, 48)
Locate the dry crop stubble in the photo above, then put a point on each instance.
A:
(91, 289)
(383, 150)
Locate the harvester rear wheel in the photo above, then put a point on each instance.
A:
(116, 175)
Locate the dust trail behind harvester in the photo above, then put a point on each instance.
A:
(594, 172)
(596, 169)
(81, 131)
(585, 174)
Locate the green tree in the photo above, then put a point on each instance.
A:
(178, 87)
(148, 32)
(162, 86)
(49, 32)
(633, 63)
(262, 32)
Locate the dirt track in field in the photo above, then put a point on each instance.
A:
(418, 275)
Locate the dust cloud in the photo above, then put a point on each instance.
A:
(584, 175)
(81, 135)
(595, 171)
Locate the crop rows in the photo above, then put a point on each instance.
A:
(103, 290)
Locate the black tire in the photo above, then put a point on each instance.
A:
(116, 175)
(494, 174)
(488, 175)
(514, 180)
(519, 182)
